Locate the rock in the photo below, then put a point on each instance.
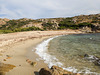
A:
(27, 60)
(8, 58)
(94, 59)
(4, 59)
(55, 70)
(86, 55)
(2, 73)
(45, 71)
(97, 62)
(9, 55)
(33, 63)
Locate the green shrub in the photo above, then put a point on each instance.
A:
(67, 24)
(84, 24)
(5, 31)
(48, 26)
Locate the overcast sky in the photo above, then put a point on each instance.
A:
(15, 9)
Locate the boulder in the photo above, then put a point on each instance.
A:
(92, 58)
(58, 71)
(45, 71)
(55, 70)
(2, 73)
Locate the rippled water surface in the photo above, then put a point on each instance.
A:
(70, 51)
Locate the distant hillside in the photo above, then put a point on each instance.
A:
(85, 23)
(3, 21)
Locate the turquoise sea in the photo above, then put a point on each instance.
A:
(70, 50)
(76, 53)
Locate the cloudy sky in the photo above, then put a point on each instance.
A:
(15, 9)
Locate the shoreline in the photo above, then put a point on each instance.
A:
(25, 67)
(42, 51)
(21, 50)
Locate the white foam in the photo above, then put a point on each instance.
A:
(71, 69)
(32, 49)
(42, 51)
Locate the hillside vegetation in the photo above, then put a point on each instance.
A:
(86, 23)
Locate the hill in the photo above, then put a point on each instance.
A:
(85, 23)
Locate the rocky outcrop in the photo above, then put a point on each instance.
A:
(86, 29)
(51, 20)
(3, 21)
(25, 19)
(55, 70)
(92, 58)
(93, 19)
(45, 71)
(39, 25)
(55, 21)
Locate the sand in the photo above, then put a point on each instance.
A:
(18, 49)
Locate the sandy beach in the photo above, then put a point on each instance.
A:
(18, 49)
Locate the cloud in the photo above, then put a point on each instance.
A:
(15, 9)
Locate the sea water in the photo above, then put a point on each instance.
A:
(68, 52)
